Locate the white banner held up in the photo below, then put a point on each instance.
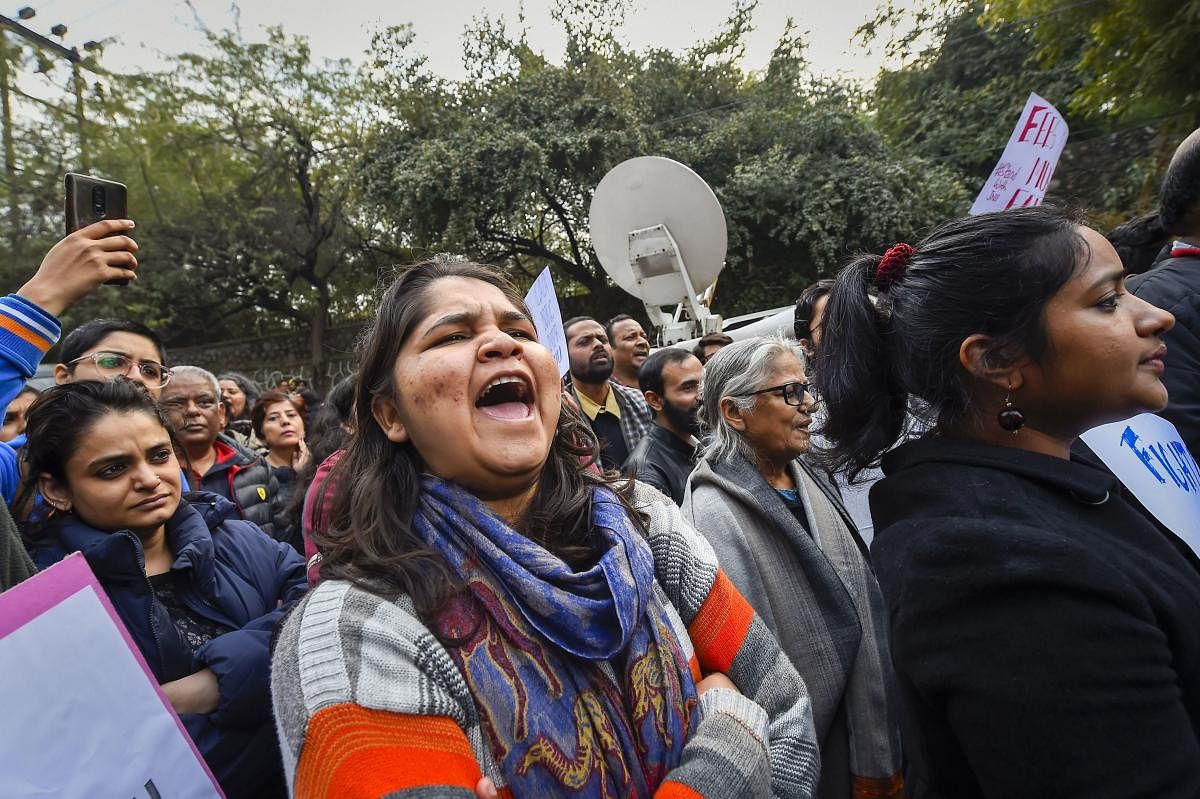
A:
(547, 318)
(1025, 168)
(83, 715)
(1148, 456)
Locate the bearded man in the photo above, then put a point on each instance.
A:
(670, 381)
(619, 416)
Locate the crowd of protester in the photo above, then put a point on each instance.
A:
(871, 558)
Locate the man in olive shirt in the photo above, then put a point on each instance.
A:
(618, 415)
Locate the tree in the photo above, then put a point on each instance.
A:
(1133, 59)
(502, 164)
(965, 77)
(238, 161)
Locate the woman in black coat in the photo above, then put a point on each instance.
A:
(1045, 631)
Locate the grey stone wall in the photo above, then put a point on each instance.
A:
(268, 360)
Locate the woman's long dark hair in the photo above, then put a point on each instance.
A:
(991, 274)
(328, 433)
(370, 539)
(62, 416)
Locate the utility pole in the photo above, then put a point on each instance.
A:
(10, 155)
(71, 55)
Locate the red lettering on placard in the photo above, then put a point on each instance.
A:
(1042, 126)
(1032, 122)
(1039, 175)
(1015, 200)
(1043, 137)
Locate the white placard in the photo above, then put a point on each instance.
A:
(1148, 455)
(1025, 168)
(82, 716)
(547, 318)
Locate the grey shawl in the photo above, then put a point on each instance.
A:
(819, 596)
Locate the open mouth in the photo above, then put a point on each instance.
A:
(507, 397)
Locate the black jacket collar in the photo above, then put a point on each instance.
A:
(1083, 481)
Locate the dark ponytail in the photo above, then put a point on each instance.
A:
(853, 371)
(1139, 241)
(991, 274)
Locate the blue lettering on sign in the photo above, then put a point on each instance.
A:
(1130, 439)
(1170, 457)
(1187, 465)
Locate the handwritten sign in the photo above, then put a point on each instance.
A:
(1148, 455)
(1028, 162)
(83, 716)
(547, 318)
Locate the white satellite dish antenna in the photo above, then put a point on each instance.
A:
(660, 234)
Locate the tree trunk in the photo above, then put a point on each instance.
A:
(319, 322)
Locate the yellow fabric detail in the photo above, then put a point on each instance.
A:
(592, 409)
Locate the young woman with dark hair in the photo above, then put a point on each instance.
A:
(199, 589)
(494, 613)
(1044, 630)
(278, 421)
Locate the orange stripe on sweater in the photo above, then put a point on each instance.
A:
(877, 787)
(18, 329)
(676, 790)
(352, 752)
(720, 627)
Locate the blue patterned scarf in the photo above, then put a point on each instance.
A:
(581, 686)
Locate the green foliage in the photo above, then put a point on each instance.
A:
(962, 85)
(968, 68)
(1133, 59)
(502, 165)
(270, 188)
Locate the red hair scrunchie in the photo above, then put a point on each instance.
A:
(893, 265)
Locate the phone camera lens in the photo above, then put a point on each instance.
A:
(98, 204)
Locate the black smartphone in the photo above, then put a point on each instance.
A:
(91, 199)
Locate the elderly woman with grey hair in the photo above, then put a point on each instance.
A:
(786, 542)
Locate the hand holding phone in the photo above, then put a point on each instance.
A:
(76, 265)
(91, 200)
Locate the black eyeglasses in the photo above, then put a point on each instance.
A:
(113, 365)
(793, 393)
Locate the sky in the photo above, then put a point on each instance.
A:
(143, 30)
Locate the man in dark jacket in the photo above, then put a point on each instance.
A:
(192, 401)
(1174, 285)
(670, 381)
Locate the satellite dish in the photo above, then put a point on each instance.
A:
(660, 234)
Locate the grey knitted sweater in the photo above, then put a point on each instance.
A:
(368, 702)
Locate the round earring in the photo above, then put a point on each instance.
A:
(1011, 418)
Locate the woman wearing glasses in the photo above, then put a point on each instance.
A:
(785, 540)
(105, 349)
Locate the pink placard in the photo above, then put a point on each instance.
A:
(42, 593)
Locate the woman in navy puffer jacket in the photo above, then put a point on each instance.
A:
(199, 589)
